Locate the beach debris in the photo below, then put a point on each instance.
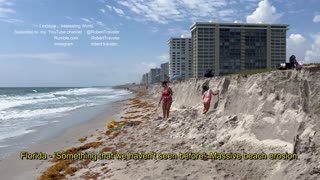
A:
(132, 117)
(63, 168)
(232, 119)
(111, 124)
(133, 123)
(158, 118)
(116, 125)
(116, 128)
(83, 139)
(91, 175)
(171, 119)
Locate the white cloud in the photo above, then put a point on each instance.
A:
(164, 58)
(100, 23)
(316, 19)
(296, 39)
(6, 3)
(86, 20)
(114, 9)
(12, 20)
(102, 1)
(44, 56)
(68, 17)
(149, 65)
(6, 12)
(109, 7)
(118, 11)
(144, 67)
(165, 11)
(103, 11)
(296, 45)
(228, 12)
(233, 2)
(178, 32)
(313, 55)
(265, 13)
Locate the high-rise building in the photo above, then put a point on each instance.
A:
(233, 47)
(147, 78)
(154, 76)
(164, 72)
(144, 78)
(180, 57)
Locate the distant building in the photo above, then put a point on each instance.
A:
(147, 78)
(164, 72)
(233, 47)
(180, 62)
(154, 76)
(144, 78)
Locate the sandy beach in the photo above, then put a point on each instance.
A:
(271, 136)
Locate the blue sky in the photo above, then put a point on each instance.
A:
(144, 25)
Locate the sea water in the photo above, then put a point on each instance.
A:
(22, 110)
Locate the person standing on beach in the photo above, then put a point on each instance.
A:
(166, 99)
(206, 97)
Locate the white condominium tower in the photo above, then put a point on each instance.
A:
(233, 47)
(180, 62)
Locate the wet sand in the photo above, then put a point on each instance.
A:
(13, 167)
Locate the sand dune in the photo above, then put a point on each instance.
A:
(275, 112)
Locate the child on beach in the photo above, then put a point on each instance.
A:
(206, 97)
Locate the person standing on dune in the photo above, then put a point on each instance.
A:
(166, 99)
(206, 97)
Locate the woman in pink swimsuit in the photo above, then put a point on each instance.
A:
(166, 99)
(206, 98)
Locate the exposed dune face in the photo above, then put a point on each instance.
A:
(274, 112)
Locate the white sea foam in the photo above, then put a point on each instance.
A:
(4, 115)
(11, 102)
(3, 146)
(84, 91)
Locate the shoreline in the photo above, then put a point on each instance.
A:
(31, 169)
(43, 133)
(178, 148)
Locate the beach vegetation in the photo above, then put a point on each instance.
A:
(132, 112)
(91, 175)
(105, 170)
(62, 168)
(59, 170)
(85, 162)
(106, 149)
(83, 139)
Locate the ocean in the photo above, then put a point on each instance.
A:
(22, 110)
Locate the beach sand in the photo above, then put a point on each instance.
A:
(260, 114)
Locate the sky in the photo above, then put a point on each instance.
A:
(144, 28)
